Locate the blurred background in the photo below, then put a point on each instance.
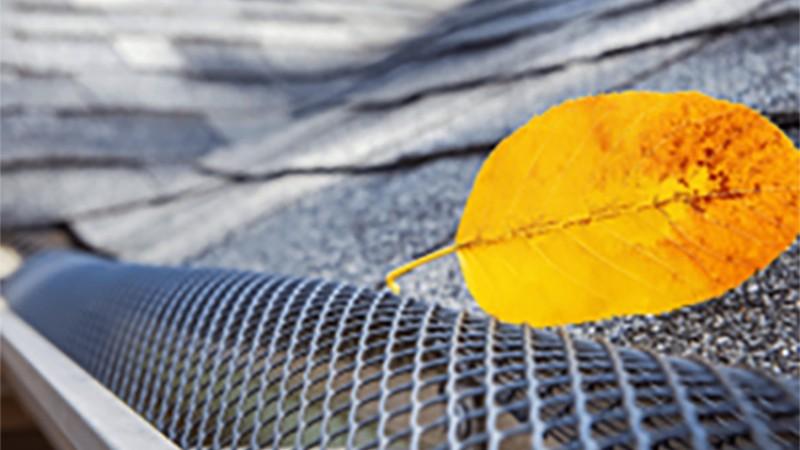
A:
(339, 138)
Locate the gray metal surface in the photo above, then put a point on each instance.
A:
(229, 359)
(73, 410)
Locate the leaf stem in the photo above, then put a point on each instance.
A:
(408, 267)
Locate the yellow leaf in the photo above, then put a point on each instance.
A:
(637, 202)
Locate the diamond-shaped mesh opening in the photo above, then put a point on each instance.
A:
(221, 360)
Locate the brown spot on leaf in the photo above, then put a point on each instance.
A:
(695, 204)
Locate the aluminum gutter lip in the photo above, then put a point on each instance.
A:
(74, 410)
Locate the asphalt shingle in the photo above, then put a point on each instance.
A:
(344, 156)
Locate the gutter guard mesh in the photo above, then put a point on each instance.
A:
(224, 359)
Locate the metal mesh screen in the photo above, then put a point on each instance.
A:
(225, 359)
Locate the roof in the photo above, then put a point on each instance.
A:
(339, 139)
